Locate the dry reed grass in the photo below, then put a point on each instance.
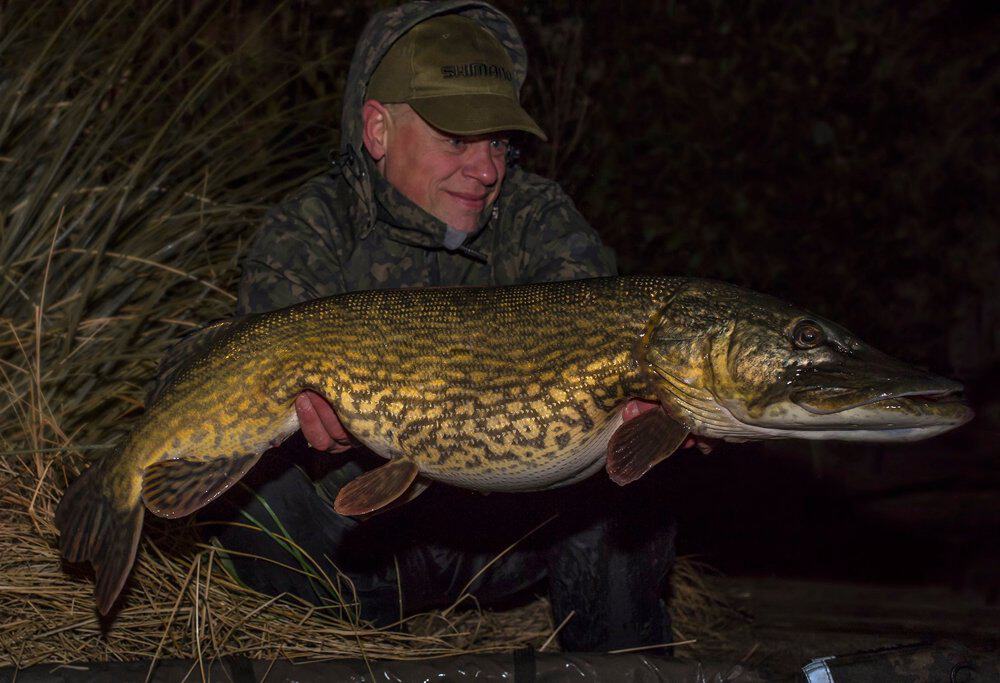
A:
(134, 158)
(181, 604)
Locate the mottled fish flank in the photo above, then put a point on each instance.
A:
(492, 388)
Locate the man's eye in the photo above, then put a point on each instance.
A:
(500, 145)
(457, 143)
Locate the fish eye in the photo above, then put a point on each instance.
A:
(807, 335)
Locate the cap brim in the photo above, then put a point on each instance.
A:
(475, 114)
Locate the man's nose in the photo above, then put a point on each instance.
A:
(482, 164)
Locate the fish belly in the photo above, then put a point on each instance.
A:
(478, 465)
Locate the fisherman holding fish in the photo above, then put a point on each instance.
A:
(423, 193)
(529, 382)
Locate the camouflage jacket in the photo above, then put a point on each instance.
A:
(350, 229)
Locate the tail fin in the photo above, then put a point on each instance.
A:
(97, 527)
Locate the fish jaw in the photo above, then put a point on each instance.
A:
(876, 412)
(893, 419)
(863, 395)
(737, 365)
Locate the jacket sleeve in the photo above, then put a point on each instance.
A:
(294, 256)
(561, 245)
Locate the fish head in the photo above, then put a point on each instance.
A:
(734, 364)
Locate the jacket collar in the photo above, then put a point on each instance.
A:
(380, 206)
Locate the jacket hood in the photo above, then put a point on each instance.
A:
(381, 31)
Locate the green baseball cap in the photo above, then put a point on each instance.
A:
(456, 75)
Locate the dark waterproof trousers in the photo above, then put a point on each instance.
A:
(605, 553)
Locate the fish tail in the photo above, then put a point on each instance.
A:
(98, 526)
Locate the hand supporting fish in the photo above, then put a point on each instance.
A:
(320, 425)
(495, 389)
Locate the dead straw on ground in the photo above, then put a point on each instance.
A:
(137, 152)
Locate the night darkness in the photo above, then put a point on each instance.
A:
(842, 155)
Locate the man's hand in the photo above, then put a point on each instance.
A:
(320, 425)
(636, 407)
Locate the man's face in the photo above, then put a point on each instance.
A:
(451, 177)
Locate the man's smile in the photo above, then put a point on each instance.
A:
(470, 199)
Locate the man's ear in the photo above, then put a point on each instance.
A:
(375, 128)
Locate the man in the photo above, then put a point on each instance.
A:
(423, 194)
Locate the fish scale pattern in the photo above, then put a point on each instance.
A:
(498, 389)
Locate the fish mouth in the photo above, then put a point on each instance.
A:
(871, 408)
(821, 400)
(931, 404)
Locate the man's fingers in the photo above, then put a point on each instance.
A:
(329, 419)
(701, 444)
(319, 423)
(309, 422)
(636, 407)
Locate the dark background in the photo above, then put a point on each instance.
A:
(840, 155)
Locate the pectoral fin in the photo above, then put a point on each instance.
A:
(419, 485)
(641, 443)
(179, 486)
(376, 489)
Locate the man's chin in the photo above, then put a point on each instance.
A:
(463, 222)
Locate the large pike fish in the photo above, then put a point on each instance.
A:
(495, 389)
